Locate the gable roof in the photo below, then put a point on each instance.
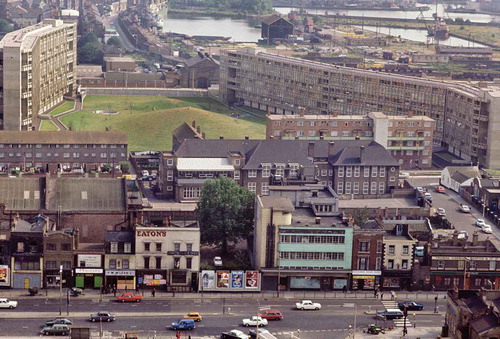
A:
(183, 132)
(214, 148)
(460, 177)
(374, 154)
(279, 151)
(464, 172)
(273, 18)
(484, 323)
(120, 236)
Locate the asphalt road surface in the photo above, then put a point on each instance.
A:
(153, 316)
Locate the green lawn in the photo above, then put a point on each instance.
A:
(65, 106)
(150, 120)
(48, 125)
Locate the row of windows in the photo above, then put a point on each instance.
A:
(364, 263)
(58, 146)
(353, 187)
(65, 155)
(158, 246)
(471, 265)
(312, 239)
(53, 264)
(264, 187)
(127, 247)
(52, 247)
(391, 266)
(312, 255)
(177, 263)
(355, 171)
(192, 192)
(124, 264)
(323, 123)
(301, 133)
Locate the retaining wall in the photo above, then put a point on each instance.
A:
(167, 92)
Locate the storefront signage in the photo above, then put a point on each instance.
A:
(89, 270)
(183, 252)
(4, 275)
(363, 277)
(89, 260)
(464, 258)
(151, 233)
(366, 273)
(229, 281)
(154, 280)
(128, 273)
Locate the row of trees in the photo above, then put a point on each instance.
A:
(248, 6)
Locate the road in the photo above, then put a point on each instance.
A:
(448, 201)
(331, 321)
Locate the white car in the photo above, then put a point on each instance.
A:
(307, 305)
(6, 303)
(441, 211)
(486, 229)
(217, 261)
(254, 321)
(464, 208)
(480, 222)
(237, 334)
(463, 235)
(145, 173)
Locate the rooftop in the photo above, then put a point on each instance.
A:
(277, 203)
(204, 164)
(377, 203)
(305, 217)
(63, 137)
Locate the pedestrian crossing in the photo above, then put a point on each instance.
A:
(392, 304)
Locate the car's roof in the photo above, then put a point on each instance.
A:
(393, 310)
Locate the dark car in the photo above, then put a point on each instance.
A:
(390, 314)
(411, 306)
(102, 316)
(58, 321)
(57, 329)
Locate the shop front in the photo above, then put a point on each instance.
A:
(365, 280)
(396, 281)
(53, 278)
(294, 280)
(88, 277)
(122, 279)
(152, 279)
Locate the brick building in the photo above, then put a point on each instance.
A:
(68, 151)
(408, 138)
(59, 250)
(119, 262)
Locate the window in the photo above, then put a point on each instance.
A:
(158, 262)
(456, 281)
(404, 264)
(373, 189)
(294, 170)
(127, 247)
(170, 175)
(266, 170)
(381, 187)
(177, 263)
(382, 171)
(365, 187)
(50, 264)
(66, 155)
(374, 171)
(472, 265)
(493, 265)
(237, 162)
(340, 188)
(406, 249)
(170, 162)
(362, 263)
(447, 281)
(324, 172)
(348, 172)
(364, 246)
(356, 171)
(461, 264)
(125, 264)
(348, 187)
(477, 281)
(366, 171)
(158, 246)
(112, 263)
(236, 175)
(189, 247)
(252, 173)
(409, 152)
(441, 265)
(392, 249)
(341, 171)
(378, 263)
(355, 188)
(146, 262)
(66, 247)
(147, 246)
(390, 264)
(50, 247)
(379, 246)
(103, 155)
(66, 264)
(264, 188)
(192, 192)
(280, 169)
(252, 187)
(114, 247)
(189, 263)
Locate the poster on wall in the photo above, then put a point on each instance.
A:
(305, 283)
(222, 279)
(237, 279)
(89, 260)
(4, 275)
(252, 279)
(207, 279)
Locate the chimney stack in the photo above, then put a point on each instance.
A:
(203, 135)
(361, 154)
(198, 129)
(246, 137)
(310, 150)
(331, 145)
(221, 137)
(302, 112)
(475, 238)
(193, 124)
(318, 220)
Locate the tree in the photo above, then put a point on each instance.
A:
(360, 216)
(5, 26)
(114, 41)
(87, 38)
(90, 53)
(225, 212)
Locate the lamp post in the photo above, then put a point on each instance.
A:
(279, 273)
(435, 304)
(60, 289)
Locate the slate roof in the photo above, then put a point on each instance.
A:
(374, 155)
(465, 172)
(63, 137)
(216, 148)
(484, 323)
(475, 304)
(460, 177)
(120, 236)
(279, 151)
(273, 18)
(489, 183)
(185, 131)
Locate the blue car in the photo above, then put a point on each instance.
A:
(183, 324)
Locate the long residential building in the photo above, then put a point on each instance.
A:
(408, 138)
(36, 72)
(466, 116)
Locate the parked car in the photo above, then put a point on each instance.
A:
(464, 208)
(463, 235)
(56, 329)
(183, 324)
(129, 297)
(486, 229)
(390, 314)
(6, 303)
(428, 196)
(440, 189)
(441, 212)
(480, 222)
(217, 261)
(253, 332)
(271, 315)
(193, 315)
(375, 329)
(233, 334)
(307, 305)
(102, 316)
(420, 189)
(63, 321)
(255, 321)
(404, 175)
(411, 306)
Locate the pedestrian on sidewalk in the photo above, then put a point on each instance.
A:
(344, 289)
(178, 335)
(114, 291)
(393, 295)
(382, 296)
(153, 292)
(137, 290)
(173, 291)
(375, 292)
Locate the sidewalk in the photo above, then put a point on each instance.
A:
(423, 332)
(160, 295)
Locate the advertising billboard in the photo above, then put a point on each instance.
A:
(252, 280)
(4, 275)
(230, 281)
(237, 279)
(89, 260)
(207, 280)
(222, 279)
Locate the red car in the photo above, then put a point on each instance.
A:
(129, 297)
(271, 315)
(440, 189)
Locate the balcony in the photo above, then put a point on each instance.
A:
(481, 117)
(27, 68)
(26, 95)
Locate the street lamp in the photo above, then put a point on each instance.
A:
(279, 273)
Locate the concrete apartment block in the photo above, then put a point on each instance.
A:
(286, 86)
(36, 72)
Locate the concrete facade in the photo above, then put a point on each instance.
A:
(36, 72)
(466, 116)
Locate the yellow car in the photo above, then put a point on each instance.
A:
(193, 315)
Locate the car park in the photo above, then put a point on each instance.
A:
(307, 305)
(56, 329)
(194, 316)
(464, 208)
(63, 321)
(271, 315)
(440, 189)
(480, 222)
(6, 303)
(129, 297)
(486, 229)
(411, 306)
(183, 324)
(441, 212)
(255, 321)
(390, 314)
(102, 316)
(217, 261)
